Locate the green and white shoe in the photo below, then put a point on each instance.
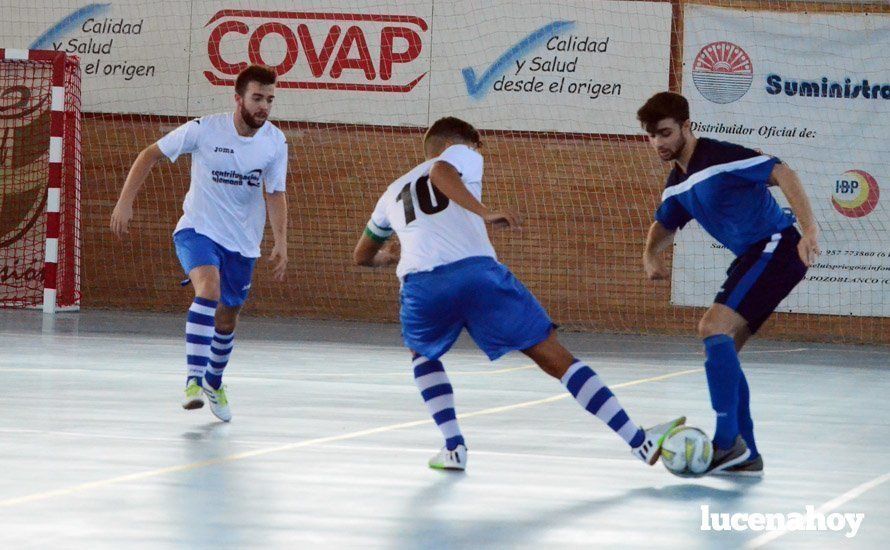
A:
(450, 460)
(194, 397)
(650, 449)
(219, 403)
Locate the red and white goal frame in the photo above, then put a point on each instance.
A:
(60, 276)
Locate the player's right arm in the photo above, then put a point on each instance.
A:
(123, 210)
(446, 178)
(182, 140)
(657, 241)
(670, 216)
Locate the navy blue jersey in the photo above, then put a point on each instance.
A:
(726, 190)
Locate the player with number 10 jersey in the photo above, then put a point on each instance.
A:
(451, 280)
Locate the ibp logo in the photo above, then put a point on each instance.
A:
(722, 72)
(319, 51)
(855, 194)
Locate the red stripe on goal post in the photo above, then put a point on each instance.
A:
(54, 182)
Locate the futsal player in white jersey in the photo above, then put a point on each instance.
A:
(235, 157)
(451, 280)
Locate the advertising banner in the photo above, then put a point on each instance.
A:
(813, 91)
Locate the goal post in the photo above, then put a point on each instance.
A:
(40, 165)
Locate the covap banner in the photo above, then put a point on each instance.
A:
(583, 66)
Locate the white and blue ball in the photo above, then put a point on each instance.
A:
(687, 451)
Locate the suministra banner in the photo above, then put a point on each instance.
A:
(812, 90)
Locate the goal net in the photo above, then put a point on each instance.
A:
(554, 88)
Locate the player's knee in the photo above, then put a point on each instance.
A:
(226, 319)
(208, 293)
(207, 288)
(707, 327)
(225, 323)
(226, 326)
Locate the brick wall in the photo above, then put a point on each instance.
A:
(587, 205)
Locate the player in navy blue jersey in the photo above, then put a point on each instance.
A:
(724, 187)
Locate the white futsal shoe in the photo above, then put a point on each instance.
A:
(650, 449)
(194, 398)
(450, 460)
(219, 402)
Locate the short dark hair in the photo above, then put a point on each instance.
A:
(661, 106)
(453, 128)
(254, 73)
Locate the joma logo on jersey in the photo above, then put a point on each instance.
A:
(223, 150)
(319, 51)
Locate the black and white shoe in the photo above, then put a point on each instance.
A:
(724, 459)
(753, 467)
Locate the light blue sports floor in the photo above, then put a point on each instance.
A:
(329, 442)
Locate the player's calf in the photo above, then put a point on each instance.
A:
(436, 391)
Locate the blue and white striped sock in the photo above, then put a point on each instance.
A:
(436, 390)
(220, 350)
(598, 399)
(198, 335)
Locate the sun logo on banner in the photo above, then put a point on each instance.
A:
(855, 194)
(722, 72)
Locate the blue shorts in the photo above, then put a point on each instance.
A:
(478, 294)
(235, 270)
(758, 280)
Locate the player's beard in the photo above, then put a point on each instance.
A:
(674, 154)
(250, 120)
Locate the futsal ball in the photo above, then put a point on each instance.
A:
(686, 451)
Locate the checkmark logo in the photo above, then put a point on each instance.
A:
(67, 24)
(477, 88)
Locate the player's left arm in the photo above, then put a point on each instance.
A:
(276, 204)
(792, 188)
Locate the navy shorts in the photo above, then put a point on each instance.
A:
(758, 280)
(235, 270)
(478, 294)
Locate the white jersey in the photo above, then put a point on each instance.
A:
(225, 199)
(432, 230)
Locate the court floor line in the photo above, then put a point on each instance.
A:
(825, 508)
(699, 352)
(321, 447)
(298, 375)
(161, 340)
(179, 372)
(44, 495)
(119, 437)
